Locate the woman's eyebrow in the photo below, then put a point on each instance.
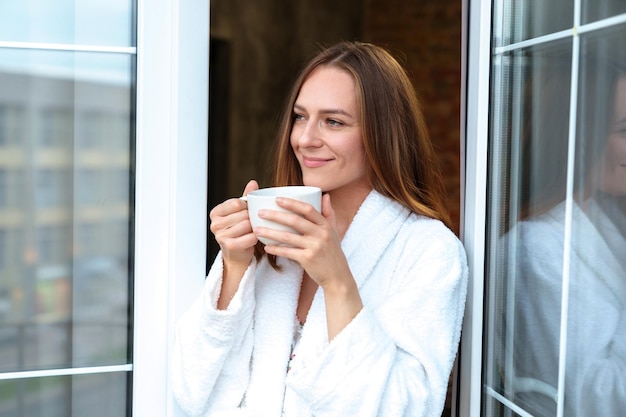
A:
(324, 111)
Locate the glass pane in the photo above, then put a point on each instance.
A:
(596, 322)
(100, 395)
(65, 204)
(84, 22)
(516, 20)
(527, 185)
(600, 9)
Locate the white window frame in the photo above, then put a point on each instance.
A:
(476, 64)
(170, 190)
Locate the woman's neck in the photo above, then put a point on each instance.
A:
(346, 202)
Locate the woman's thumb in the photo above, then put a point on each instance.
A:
(250, 186)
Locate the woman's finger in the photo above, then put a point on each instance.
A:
(297, 222)
(299, 207)
(227, 208)
(328, 211)
(229, 220)
(239, 243)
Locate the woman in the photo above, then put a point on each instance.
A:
(361, 314)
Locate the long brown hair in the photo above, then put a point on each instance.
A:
(401, 162)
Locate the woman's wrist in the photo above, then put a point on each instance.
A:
(232, 275)
(343, 304)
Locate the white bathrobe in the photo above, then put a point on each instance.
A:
(595, 371)
(393, 359)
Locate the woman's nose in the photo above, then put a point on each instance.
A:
(309, 134)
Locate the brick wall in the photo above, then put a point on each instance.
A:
(426, 35)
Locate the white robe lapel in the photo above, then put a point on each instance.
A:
(372, 230)
(273, 333)
(374, 227)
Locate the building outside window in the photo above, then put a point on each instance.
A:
(56, 125)
(4, 188)
(11, 118)
(4, 248)
(66, 324)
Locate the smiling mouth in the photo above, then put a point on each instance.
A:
(314, 162)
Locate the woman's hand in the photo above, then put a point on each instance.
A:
(232, 229)
(318, 250)
(318, 246)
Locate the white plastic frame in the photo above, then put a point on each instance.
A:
(171, 184)
(476, 67)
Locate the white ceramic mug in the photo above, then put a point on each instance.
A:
(265, 198)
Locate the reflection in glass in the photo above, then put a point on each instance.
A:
(522, 20)
(593, 10)
(11, 119)
(65, 201)
(562, 238)
(596, 322)
(529, 134)
(100, 395)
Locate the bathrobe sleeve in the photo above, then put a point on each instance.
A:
(603, 391)
(599, 315)
(210, 362)
(395, 357)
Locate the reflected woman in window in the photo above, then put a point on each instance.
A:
(595, 352)
(361, 314)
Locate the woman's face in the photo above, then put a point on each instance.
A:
(614, 180)
(326, 134)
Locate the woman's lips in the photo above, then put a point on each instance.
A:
(314, 162)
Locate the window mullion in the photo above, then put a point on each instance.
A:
(569, 203)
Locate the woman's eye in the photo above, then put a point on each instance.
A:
(334, 123)
(297, 117)
(620, 130)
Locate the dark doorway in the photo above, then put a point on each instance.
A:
(219, 85)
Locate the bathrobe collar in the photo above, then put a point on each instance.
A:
(591, 248)
(374, 227)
